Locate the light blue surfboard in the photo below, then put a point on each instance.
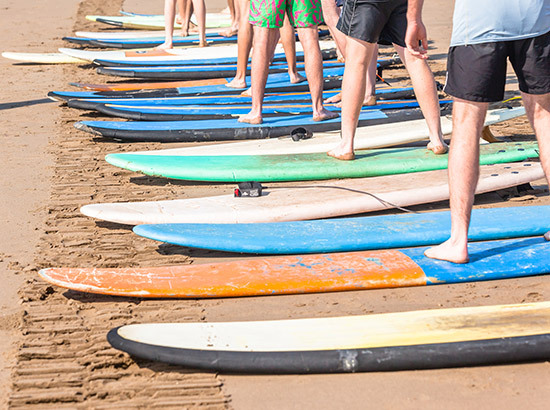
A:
(350, 234)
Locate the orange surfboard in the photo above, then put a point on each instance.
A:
(311, 273)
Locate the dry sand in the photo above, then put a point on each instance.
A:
(53, 351)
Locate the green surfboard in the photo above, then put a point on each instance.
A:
(303, 167)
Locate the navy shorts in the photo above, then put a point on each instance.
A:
(383, 22)
(477, 72)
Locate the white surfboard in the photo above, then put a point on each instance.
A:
(370, 137)
(189, 53)
(314, 200)
(43, 58)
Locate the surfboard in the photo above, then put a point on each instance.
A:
(300, 274)
(130, 34)
(188, 53)
(213, 94)
(133, 86)
(43, 58)
(201, 72)
(213, 130)
(327, 54)
(197, 112)
(278, 82)
(425, 339)
(373, 136)
(151, 40)
(351, 234)
(309, 167)
(313, 200)
(156, 22)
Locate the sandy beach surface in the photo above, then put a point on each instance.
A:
(53, 351)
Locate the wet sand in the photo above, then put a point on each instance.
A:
(54, 352)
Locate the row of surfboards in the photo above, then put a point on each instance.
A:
(320, 255)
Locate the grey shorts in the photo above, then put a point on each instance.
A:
(383, 22)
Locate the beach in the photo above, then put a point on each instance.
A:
(54, 353)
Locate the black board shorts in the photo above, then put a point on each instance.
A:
(383, 22)
(477, 72)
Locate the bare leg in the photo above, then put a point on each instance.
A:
(313, 61)
(244, 44)
(331, 14)
(265, 40)
(234, 10)
(184, 7)
(426, 93)
(199, 8)
(468, 120)
(538, 112)
(288, 38)
(360, 53)
(169, 15)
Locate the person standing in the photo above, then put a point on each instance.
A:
(367, 22)
(267, 18)
(486, 33)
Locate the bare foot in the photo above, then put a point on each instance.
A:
(450, 252)
(251, 118)
(230, 32)
(164, 46)
(236, 83)
(203, 43)
(438, 149)
(547, 236)
(247, 93)
(334, 99)
(369, 101)
(341, 154)
(324, 115)
(297, 78)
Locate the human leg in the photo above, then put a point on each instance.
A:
(265, 40)
(244, 45)
(199, 9)
(426, 93)
(468, 120)
(331, 14)
(288, 39)
(359, 57)
(313, 61)
(169, 16)
(234, 11)
(538, 112)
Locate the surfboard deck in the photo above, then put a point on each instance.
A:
(152, 40)
(156, 22)
(304, 167)
(373, 136)
(200, 72)
(424, 339)
(276, 83)
(198, 112)
(351, 234)
(43, 58)
(187, 53)
(312, 200)
(218, 130)
(300, 274)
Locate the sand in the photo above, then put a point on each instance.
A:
(53, 351)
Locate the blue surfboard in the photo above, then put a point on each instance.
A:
(182, 113)
(213, 130)
(351, 234)
(278, 82)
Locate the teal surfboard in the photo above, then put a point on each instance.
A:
(303, 167)
(350, 234)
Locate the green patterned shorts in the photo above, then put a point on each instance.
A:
(271, 13)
